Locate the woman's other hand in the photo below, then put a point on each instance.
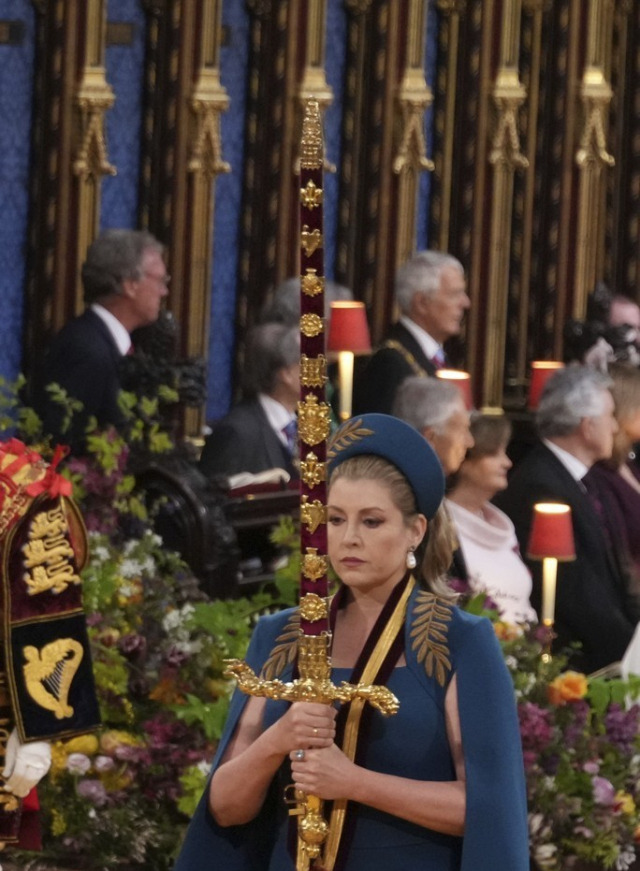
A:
(306, 725)
(326, 773)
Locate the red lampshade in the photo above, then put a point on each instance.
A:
(348, 328)
(541, 371)
(551, 532)
(461, 380)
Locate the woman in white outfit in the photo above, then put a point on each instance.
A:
(488, 545)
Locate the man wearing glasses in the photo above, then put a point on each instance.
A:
(125, 280)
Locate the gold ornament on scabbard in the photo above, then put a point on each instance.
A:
(312, 471)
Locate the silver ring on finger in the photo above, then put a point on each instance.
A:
(299, 755)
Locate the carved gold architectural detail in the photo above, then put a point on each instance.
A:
(592, 154)
(209, 100)
(93, 99)
(505, 156)
(313, 85)
(414, 97)
(205, 162)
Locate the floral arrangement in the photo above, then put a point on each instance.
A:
(124, 795)
(581, 745)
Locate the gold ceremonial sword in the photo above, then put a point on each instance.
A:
(314, 425)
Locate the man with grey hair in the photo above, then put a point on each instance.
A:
(431, 295)
(260, 432)
(594, 603)
(125, 280)
(437, 410)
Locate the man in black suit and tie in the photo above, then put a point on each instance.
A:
(594, 603)
(430, 292)
(260, 432)
(125, 280)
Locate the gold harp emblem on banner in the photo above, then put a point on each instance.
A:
(48, 674)
(310, 240)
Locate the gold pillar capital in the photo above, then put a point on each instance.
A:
(93, 98)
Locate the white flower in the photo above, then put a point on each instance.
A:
(203, 766)
(625, 859)
(545, 855)
(130, 568)
(78, 763)
(512, 662)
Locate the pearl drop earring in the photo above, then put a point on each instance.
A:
(411, 559)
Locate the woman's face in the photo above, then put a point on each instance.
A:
(630, 426)
(368, 537)
(487, 474)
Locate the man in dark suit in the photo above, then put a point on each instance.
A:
(260, 432)
(594, 604)
(125, 280)
(430, 292)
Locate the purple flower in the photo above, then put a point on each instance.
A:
(535, 728)
(604, 792)
(592, 767)
(93, 791)
(622, 726)
(132, 643)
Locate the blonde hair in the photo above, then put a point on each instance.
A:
(626, 396)
(435, 552)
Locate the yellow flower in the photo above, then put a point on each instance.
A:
(567, 687)
(58, 758)
(87, 744)
(58, 823)
(625, 803)
(507, 631)
(114, 738)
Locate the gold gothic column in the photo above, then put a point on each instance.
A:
(208, 100)
(505, 157)
(414, 98)
(94, 96)
(592, 154)
(449, 38)
(69, 161)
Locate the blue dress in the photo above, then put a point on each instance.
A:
(381, 840)
(412, 743)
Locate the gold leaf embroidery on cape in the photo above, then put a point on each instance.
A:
(346, 435)
(285, 650)
(429, 632)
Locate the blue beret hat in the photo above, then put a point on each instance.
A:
(394, 440)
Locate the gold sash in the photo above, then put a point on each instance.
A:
(394, 625)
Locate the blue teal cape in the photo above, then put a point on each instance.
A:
(496, 829)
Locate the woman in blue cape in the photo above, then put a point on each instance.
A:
(439, 786)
